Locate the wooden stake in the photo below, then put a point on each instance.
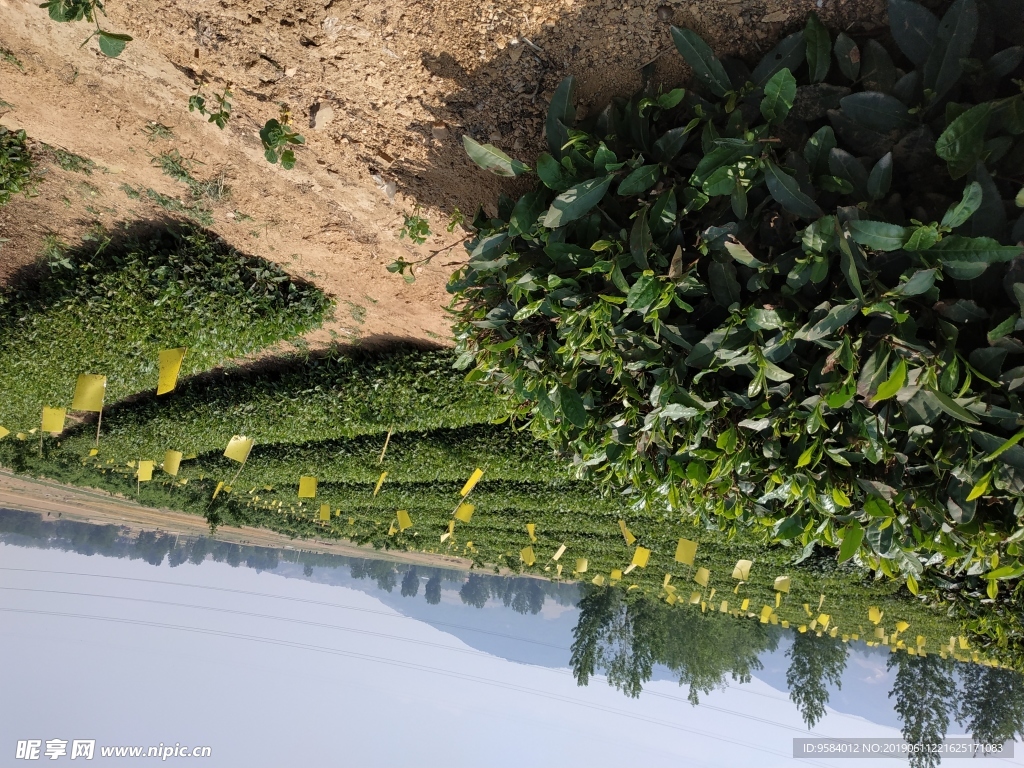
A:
(99, 421)
(232, 483)
(384, 450)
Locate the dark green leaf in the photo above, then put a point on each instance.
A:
(819, 48)
(492, 159)
(111, 46)
(880, 178)
(846, 166)
(551, 173)
(643, 293)
(561, 116)
(640, 240)
(920, 282)
(576, 201)
(877, 111)
(914, 28)
(953, 408)
(853, 535)
(724, 286)
(786, 191)
(965, 258)
(740, 253)
(788, 54)
(960, 212)
(571, 405)
(1003, 63)
(779, 93)
(702, 61)
(847, 56)
(990, 218)
(670, 143)
(848, 264)
(817, 149)
(726, 154)
(953, 41)
(640, 180)
(663, 212)
(526, 212)
(878, 235)
(962, 144)
(877, 72)
(836, 318)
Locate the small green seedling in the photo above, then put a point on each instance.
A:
(277, 135)
(219, 112)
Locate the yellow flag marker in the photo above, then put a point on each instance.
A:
(823, 620)
(813, 625)
(920, 640)
(170, 366)
(217, 490)
(745, 604)
(724, 607)
(782, 584)
(874, 615)
(802, 628)
(53, 419)
(172, 460)
(238, 448)
(380, 482)
(325, 513)
(464, 513)
(742, 570)
(963, 642)
(766, 613)
(629, 569)
(902, 626)
(92, 451)
(616, 574)
(526, 555)
(473, 480)
(701, 576)
(599, 580)
(626, 534)
(307, 487)
(640, 557)
(21, 436)
(531, 530)
(671, 599)
(686, 550)
(666, 580)
(89, 392)
(145, 472)
(5, 432)
(404, 521)
(833, 632)
(558, 570)
(778, 599)
(694, 598)
(821, 602)
(559, 553)
(581, 565)
(879, 632)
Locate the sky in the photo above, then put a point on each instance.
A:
(275, 671)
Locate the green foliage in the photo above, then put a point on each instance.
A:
(155, 130)
(786, 303)
(180, 168)
(69, 161)
(10, 58)
(198, 211)
(112, 303)
(277, 137)
(15, 164)
(217, 113)
(111, 43)
(415, 227)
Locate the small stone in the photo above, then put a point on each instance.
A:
(290, 72)
(439, 131)
(323, 117)
(664, 13)
(495, 136)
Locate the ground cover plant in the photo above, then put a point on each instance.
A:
(15, 164)
(786, 301)
(109, 306)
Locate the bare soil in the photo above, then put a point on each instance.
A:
(382, 91)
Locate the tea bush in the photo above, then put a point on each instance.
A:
(787, 300)
(15, 164)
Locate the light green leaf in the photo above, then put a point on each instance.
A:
(853, 535)
(965, 258)
(878, 235)
(640, 180)
(779, 93)
(953, 408)
(960, 212)
(740, 253)
(492, 159)
(702, 61)
(893, 384)
(962, 144)
(576, 201)
(981, 487)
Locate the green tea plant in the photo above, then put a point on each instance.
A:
(15, 164)
(278, 137)
(415, 227)
(787, 301)
(219, 112)
(111, 43)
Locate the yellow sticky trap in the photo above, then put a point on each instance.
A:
(742, 570)
(920, 640)
(807, 609)
(445, 536)
(724, 607)
(694, 598)
(629, 569)
(785, 624)
(172, 460)
(351, 521)
(307, 487)
(782, 584)
(640, 557)
(774, 618)
(701, 576)
(464, 513)
(145, 472)
(473, 480)
(53, 419)
(736, 589)
(813, 625)
(92, 451)
(686, 550)
(558, 553)
(666, 580)
(380, 482)
(217, 490)
(170, 366)
(238, 448)
(581, 565)
(711, 594)
(963, 642)
(404, 521)
(89, 392)
(855, 636)
(778, 599)
(325, 513)
(616, 574)
(392, 529)
(833, 632)
(5, 432)
(821, 602)
(879, 632)
(671, 599)
(526, 555)
(599, 580)
(21, 436)
(531, 531)
(874, 615)
(558, 570)
(629, 537)
(902, 626)
(823, 620)
(802, 628)
(846, 638)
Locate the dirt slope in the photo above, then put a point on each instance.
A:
(382, 92)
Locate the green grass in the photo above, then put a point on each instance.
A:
(180, 168)
(198, 212)
(69, 161)
(109, 306)
(10, 58)
(154, 131)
